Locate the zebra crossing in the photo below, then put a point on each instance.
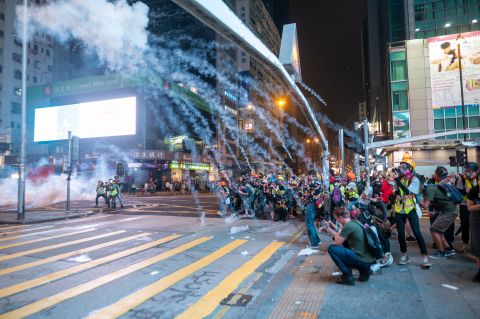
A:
(43, 273)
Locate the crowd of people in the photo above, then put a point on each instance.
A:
(361, 216)
(110, 191)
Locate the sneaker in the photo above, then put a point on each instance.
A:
(404, 260)
(314, 246)
(438, 255)
(449, 252)
(426, 263)
(411, 238)
(387, 260)
(365, 275)
(346, 280)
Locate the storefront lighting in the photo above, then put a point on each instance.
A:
(474, 21)
(417, 29)
(447, 25)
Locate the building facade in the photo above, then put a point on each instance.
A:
(39, 71)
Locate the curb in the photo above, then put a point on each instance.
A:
(52, 219)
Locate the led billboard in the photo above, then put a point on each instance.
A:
(104, 118)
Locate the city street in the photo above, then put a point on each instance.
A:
(159, 258)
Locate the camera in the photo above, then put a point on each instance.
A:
(396, 170)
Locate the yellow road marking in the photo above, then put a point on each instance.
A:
(23, 230)
(294, 238)
(68, 243)
(69, 254)
(13, 227)
(133, 300)
(95, 283)
(82, 267)
(44, 238)
(209, 302)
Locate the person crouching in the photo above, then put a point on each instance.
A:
(349, 233)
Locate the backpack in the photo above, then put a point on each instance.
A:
(371, 240)
(451, 192)
(336, 195)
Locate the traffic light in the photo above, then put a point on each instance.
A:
(460, 157)
(453, 161)
(120, 169)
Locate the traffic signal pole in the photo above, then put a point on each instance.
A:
(367, 150)
(356, 159)
(342, 151)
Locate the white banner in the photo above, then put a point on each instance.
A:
(445, 70)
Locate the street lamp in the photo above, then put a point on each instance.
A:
(474, 21)
(281, 102)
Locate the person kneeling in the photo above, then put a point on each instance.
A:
(350, 249)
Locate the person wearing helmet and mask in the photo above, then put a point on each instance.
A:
(408, 188)
(473, 205)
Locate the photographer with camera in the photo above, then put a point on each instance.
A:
(350, 234)
(407, 193)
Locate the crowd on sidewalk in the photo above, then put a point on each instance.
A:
(361, 213)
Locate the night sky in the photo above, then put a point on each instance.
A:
(330, 53)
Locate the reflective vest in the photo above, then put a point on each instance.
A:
(113, 190)
(352, 193)
(407, 202)
(468, 186)
(342, 189)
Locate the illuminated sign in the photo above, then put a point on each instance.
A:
(289, 51)
(191, 166)
(114, 117)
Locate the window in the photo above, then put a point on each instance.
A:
(35, 48)
(35, 79)
(15, 108)
(439, 125)
(48, 52)
(2, 33)
(450, 124)
(399, 100)
(2, 16)
(474, 122)
(17, 75)
(17, 91)
(1, 68)
(399, 70)
(17, 57)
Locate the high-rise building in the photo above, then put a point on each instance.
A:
(413, 75)
(39, 70)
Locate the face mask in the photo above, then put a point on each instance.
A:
(471, 175)
(405, 171)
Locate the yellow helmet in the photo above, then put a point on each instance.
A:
(280, 178)
(407, 158)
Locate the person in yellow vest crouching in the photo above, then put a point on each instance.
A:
(407, 196)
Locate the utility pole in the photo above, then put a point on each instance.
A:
(342, 151)
(365, 141)
(463, 100)
(356, 159)
(23, 120)
(69, 168)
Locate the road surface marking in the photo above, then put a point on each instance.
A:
(83, 219)
(8, 291)
(209, 302)
(68, 243)
(32, 241)
(69, 254)
(23, 230)
(95, 283)
(13, 227)
(137, 298)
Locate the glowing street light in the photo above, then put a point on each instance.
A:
(308, 141)
(474, 21)
(448, 25)
(281, 102)
(317, 140)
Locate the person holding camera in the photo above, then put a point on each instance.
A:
(407, 193)
(357, 256)
(444, 213)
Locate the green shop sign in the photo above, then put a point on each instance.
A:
(190, 166)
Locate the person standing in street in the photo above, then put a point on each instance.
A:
(408, 189)
(101, 192)
(473, 205)
(445, 213)
(314, 193)
(119, 189)
(464, 183)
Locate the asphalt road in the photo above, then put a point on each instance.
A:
(173, 256)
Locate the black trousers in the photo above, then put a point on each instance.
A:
(101, 195)
(465, 223)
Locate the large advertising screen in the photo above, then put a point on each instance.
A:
(445, 69)
(114, 117)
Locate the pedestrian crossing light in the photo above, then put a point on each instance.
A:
(120, 169)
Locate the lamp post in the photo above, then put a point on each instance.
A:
(23, 120)
(459, 55)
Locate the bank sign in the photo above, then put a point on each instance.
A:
(445, 69)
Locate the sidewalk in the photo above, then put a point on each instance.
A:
(40, 216)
